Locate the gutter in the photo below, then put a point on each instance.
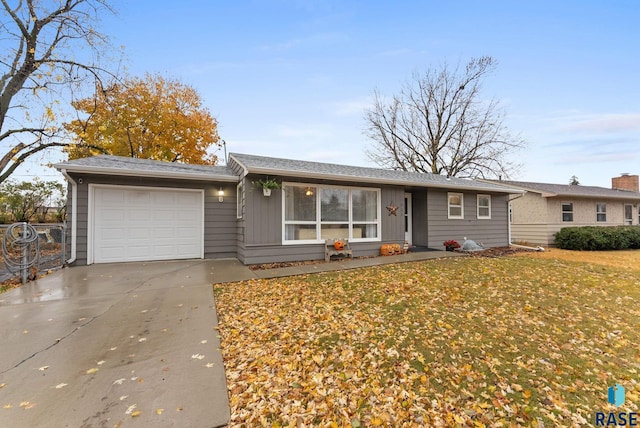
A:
(146, 173)
(74, 215)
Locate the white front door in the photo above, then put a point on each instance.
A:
(145, 223)
(407, 218)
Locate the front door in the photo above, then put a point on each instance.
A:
(407, 218)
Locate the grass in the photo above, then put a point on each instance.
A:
(526, 340)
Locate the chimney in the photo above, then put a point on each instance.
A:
(625, 182)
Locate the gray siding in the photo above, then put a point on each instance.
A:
(263, 216)
(491, 233)
(219, 218)
(392, 225)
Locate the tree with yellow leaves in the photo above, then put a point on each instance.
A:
(148, 118)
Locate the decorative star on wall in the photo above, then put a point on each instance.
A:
(393, 209)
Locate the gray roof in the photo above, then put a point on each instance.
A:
(305, 169)
(118, 165)
(567, 190)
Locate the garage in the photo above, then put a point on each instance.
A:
(128, 223)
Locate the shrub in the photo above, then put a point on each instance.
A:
(598, 238)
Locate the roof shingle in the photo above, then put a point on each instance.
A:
(306, 169)
(567, 190)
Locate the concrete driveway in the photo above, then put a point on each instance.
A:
(117, 345)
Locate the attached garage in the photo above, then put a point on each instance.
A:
(128, 223)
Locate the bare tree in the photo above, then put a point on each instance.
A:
(440, 124)
(40, 70)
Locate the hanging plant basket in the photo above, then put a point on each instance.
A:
(267, 184)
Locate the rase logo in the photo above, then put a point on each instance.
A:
(615, 396)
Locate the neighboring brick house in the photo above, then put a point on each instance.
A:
(546, 208)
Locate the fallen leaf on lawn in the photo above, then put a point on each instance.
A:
(92, 371)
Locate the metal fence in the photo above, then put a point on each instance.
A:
(51, 250)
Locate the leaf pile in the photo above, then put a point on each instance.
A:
(514, 341)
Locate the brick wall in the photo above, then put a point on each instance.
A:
(625, 182)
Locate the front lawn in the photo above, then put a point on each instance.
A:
(526, 340)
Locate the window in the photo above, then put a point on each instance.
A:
(567, 211)
(601, 212)
(456, 205)
(484, 206)
(239, 200)
(316, 213)
(628, 214)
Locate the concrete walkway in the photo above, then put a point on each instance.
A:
(233, 270)
(114, 345)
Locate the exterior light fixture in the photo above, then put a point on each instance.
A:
(221, 195)
(309, 191)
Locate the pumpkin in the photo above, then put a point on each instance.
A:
(397, 249)
(386, 250)
(338, 245)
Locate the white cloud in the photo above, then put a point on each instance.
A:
(307, 132)
(602, 123)
(353, 107)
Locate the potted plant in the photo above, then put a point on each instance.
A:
(451, 245)
(267, 185)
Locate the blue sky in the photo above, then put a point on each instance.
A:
(292, 78)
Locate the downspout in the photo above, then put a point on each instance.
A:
(511, 244)
(74, 214)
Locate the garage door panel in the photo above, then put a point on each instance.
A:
(132, 224)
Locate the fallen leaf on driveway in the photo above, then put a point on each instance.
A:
(118, 381)
(92, 371)
(197, 356)
(61, 385)
(130, 409)
(27, 405)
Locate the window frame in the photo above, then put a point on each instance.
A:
(449, 206)
(478, 206)
(318, 222)
(563, 211)
(627, 220)
(601, 212)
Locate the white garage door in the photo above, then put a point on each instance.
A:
(139, 224)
